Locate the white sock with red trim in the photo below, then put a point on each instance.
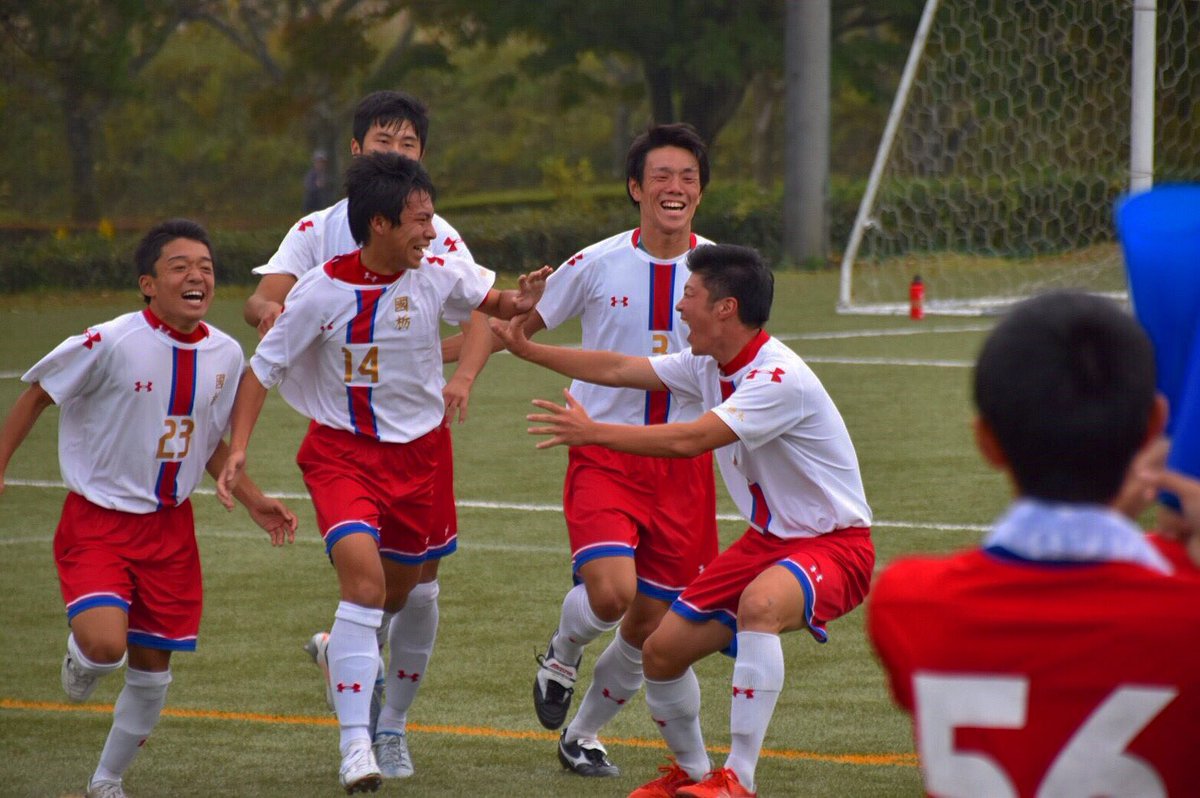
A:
(675, 707)
(757, 682)
(353, 663)
(410, 645)
(616, 678)
(135, 715)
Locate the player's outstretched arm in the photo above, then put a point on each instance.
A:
(570, 425)
(509, 303)
(247, 406)
(19, 421)
(269, 513)
(263, 307)
(599, 367)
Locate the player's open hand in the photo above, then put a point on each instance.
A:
(275, 517)
(529, 289)
(268, 318)
(231, 474)
(511, 333)
(567, 425)
(456, 394)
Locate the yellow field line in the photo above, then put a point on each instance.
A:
(892, 760)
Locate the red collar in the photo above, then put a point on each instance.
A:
(349, 268)
(196, 335)
(748, 353)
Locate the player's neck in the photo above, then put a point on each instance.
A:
(732, 343)
(375, 260)
(665, 245)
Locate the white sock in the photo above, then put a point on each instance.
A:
(353, 662)
(410, 644)
(86, 665)
(577, 626)
(675, 707)
(135, 715)
(757, 682)
(616, 678)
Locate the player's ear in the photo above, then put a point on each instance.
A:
(355, 147)
(635, 190)
(989, 447)
(146, 285)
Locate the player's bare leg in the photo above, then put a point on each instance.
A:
(95, 648)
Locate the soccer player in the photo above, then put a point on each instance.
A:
(125, 546)
(640, 527)
(787, 459)
(388, 121)
(357, 351)
(1059, 658)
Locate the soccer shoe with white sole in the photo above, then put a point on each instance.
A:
(359, 771)
(553, 687)
(585, 757)
(665, 786)
(721, 783)
(317, 647)
(77, 683)
(105, 789)
(391, 753)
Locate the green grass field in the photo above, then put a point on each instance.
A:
(246, 715)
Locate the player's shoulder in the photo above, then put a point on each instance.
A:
(218, 338)
(926, 578)
(599, 251)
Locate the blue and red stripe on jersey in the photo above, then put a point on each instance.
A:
(662, 318)
(760, 511)
(361, 330)
(181, 403)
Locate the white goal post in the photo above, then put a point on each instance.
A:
(1015, 127)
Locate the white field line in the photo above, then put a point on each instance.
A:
(485, 505)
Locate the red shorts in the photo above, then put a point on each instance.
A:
(360, 485)
(834, 571)
(443, 536)
(146, 564)
(661, 511)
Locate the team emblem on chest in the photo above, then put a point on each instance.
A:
(403, 320)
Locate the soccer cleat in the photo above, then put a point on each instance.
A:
(77, 683)
(585, 757)
(317, 647)
(391, 753)
(552, 688)
(105, 789)
(665, 786)
(359, 771)
(721, 783)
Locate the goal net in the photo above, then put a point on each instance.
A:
(1010, 149)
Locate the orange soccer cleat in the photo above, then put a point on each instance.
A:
(666, 785)
(721, 783)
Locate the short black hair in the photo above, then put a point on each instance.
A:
(150, 248)
(390, 109)
(680, 135)
(739, 272)
(379, 184)
(1066, 384)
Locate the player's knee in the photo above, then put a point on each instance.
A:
(759, 611)
(101, 649)
(609, 602)
(657, 660)
(364, 590)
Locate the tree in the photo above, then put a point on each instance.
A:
(89, 53)
(697, 56)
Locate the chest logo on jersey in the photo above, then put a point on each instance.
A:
(92, 339)
(451, 244)
(403, 320)
(618, 301)
(140, 386)
(776, 374)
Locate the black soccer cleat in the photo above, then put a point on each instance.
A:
(552, 688)
(585, 758)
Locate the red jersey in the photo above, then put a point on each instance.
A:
(1043, 678)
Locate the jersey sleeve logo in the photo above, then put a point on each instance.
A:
(93, 338)
(776, 374)
(451, 244)
(304, 225)
(576, 258)
(435, 260)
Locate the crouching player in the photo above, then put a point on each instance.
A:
(787, 459)
(358, 351)
(144, 399)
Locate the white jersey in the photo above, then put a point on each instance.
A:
(320, 237)
(626, 300)
(142, 408)
(793, 471)
(361, 352)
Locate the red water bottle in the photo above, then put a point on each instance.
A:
(916, 298)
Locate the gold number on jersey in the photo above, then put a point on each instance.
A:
(367, 367)
(661, 345)
(177, 429)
